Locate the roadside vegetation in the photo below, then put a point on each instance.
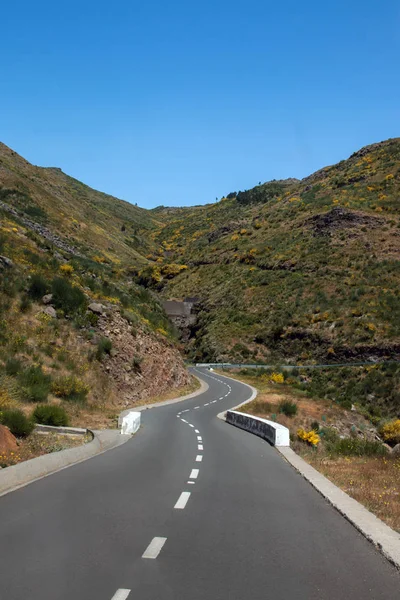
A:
(357, 450)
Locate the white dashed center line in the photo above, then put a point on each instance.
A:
(190, 425)
(197, 431)
(199, 458)
(194, 474)
(152, 551)
(200, 447)
(199, 438)
(121, 594)
(183, 421)
(206, 404)
(196, 407)
(182, 500)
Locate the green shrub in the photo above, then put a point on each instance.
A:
(70, 388)
(315, 426)
(38, 287)
(25, 304)
(13, 366)
(356, 447)
(17, 422)
(288, 408)
(66, 297)
(50, 414)
(104, 346)
(35, 384)
(136, 363)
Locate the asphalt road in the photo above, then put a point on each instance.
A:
(237, 524)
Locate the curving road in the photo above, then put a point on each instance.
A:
(189, 509)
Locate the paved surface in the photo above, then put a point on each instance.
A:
(246, 527)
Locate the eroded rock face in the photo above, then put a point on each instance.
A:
(141, 364)
(8, 442)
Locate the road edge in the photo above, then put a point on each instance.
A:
(20, 475)
(383, 537)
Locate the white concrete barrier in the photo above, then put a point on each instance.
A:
(276, 434)
(130, 422)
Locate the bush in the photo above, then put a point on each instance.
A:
(13, 366)
(288, 408)
(35, 384)
(136, 363)
(66, 297)
(356, 447)
(38, 287)
(17, 422)
(104, 346)
(25, 304)
(391, 432)
(70, 388)
(50, 414)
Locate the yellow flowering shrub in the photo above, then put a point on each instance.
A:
(277, 378)
(273, 378)
(69, 387)
(391, 431)
(311, 437)
(66, 269)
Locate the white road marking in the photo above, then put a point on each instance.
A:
(187, 410)
(221, 398)
(206, 404)
(200, 447)
(182, 500)
(183, 421)
(194, 473)
(192, 482)
(213, 402)
(200, 439)
(121, 594)
(190, 425)
(196, 407)
(153, 549)
(199, 458)
(197, 431)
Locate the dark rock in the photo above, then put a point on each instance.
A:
(6, 262)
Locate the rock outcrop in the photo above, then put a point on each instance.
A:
(141, 364)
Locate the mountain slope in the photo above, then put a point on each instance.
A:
(75, 330)
(294, 270)
(94, 224)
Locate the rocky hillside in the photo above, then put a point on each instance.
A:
(294, 271)
(72, 217)
(75, 330)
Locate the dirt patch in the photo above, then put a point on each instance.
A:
(340, 218)
(7, 441)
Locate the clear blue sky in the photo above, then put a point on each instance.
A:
(178, 102)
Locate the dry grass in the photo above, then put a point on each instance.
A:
(374, 482)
